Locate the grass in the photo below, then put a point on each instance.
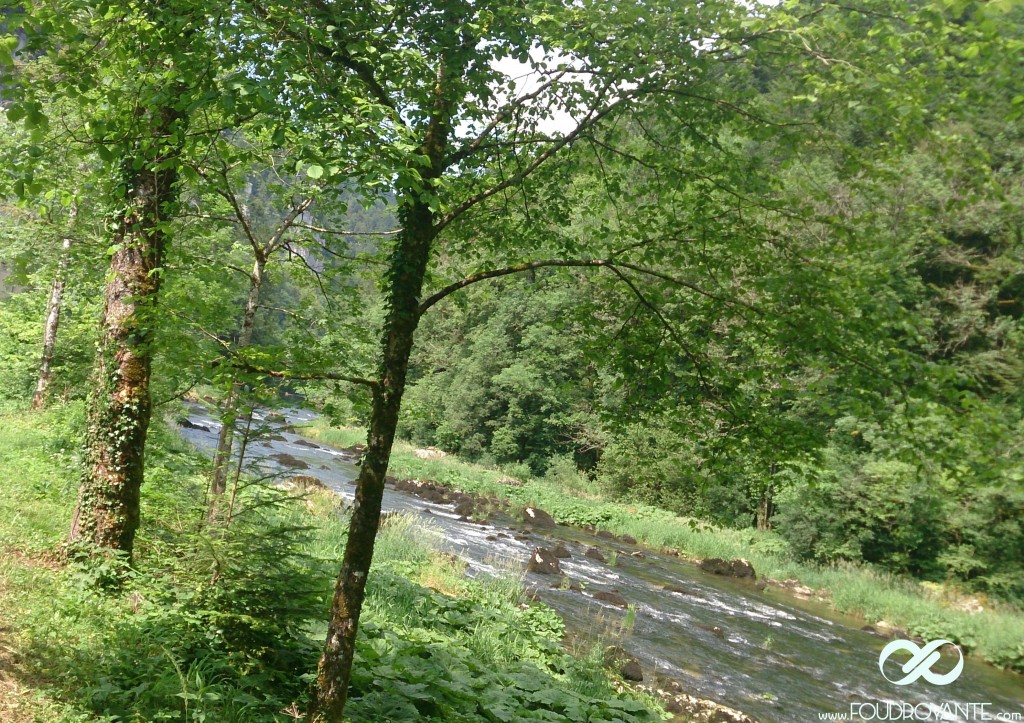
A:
(996, 635)
(225, 625)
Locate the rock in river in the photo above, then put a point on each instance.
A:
(730, 568)
(594, 554)
(561, 551)
(611, 597)
(286, 460)
(538, 517)
(543, 562)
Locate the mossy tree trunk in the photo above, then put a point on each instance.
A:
(405, 281)
(403, 285)
(107, 515)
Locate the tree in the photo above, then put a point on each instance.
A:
(147, 100)
(450, 132)
(53, 310)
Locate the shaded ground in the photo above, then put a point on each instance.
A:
(20, 698)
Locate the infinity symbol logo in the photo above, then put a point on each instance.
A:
(919, 666)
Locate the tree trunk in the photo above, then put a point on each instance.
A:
(53, 310)
(766, 508)
(404, 283)
(229, 409)
(107, 515)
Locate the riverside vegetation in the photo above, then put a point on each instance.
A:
(224, 624)
(929, 612)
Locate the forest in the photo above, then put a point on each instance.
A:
(751, 272)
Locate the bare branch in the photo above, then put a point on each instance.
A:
(316, 275)
(275, 242)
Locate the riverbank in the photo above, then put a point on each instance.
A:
(890, 604)
(225, 624)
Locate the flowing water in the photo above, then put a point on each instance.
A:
(765, 653)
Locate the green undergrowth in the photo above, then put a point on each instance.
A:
(225, 624)
(996, 635)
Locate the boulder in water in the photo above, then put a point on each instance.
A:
(605, 534)
(561, 551)
(189, 424)
(538, 517)
(543, 562)
(611, 597)
(730, 568)
(287, 460)
(594, 554)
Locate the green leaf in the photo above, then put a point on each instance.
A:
(15, 113)
(314, 171)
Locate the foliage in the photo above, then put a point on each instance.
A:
(792, 282)
(222, 624)
(517, 389)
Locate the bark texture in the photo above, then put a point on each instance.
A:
(107, 514)
(52, 324)
(403, 286)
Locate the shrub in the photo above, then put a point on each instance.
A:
(877, 511)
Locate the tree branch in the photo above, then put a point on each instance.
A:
(502, 115)
(338, 232)
(518, 268)
(593, 117)
(289, 374)
(616, 267)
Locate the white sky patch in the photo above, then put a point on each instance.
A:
(525, 80)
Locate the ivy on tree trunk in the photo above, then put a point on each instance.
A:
(107, 514)
(405, 281)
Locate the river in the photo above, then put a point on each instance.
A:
(766, 653)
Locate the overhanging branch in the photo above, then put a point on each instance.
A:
(616, 267)
(495, 273)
